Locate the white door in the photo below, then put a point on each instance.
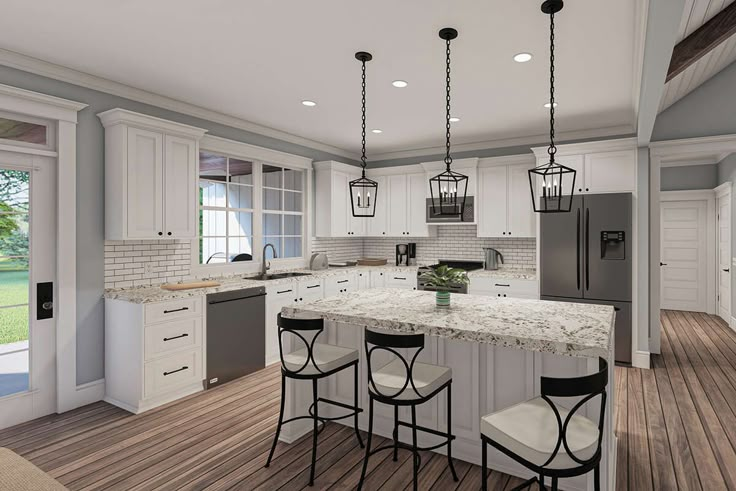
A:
(683, 256)
(27, 266)
(522, 221)
(397, 202)
(724, 257)
(493, 212)
(180, 197)
(145, 184)
(417, 185)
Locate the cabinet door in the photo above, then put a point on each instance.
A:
(417, 203)
(180, 187)
(309, 290)
(364, 280)
(145, 199)
(276, 297)
(574, 162)
(492, 221)
(378, 225)
(335, 285)
(407, 281)
(378, 279)
(521, 219)
(340, 206)
(397, 206)
(610, 172)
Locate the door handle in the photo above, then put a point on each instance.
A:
(577, 248)
(44, 300)
(726, 270)
(587, 249)
(662, 264)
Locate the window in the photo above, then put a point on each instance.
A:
(24, 131)
(282, 210)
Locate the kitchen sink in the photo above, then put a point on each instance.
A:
(275, 276)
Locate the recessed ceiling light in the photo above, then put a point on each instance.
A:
(547, 105)
(400, 83)
(522, 57)
(454, 119)
(309, 103)
(376, 131)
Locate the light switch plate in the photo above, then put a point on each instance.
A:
(148, 268)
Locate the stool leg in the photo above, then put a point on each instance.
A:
(554, 484)
(396, 433)
(449, 432)
(484, 463)
(541, 482)
(368, 443)
(281, 418)
(357, 432)
(414, 446)
(597, 478)
(314, 435)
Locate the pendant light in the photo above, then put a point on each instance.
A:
(557, 181)
(448, 189)
(363, 191)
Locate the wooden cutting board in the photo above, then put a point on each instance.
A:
(189, 286)
(367, 261)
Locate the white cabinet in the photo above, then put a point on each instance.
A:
(610, 172)
(406, 280)
(378, 225)
(335, 285)
(506, 208)
(364, 280)
(503, 288)
(277, 297)
(308, 290)
(407, 214)
(150, 177)
(398, 206)
(334, 217)
(378, 279)
(417, 204)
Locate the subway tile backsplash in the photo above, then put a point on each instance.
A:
(146, 262)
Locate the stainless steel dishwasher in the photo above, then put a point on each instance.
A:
(236, 334)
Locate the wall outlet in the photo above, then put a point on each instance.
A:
(148, 268)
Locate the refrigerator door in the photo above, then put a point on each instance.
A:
(622, 326)
(561, 254)
(608, 248)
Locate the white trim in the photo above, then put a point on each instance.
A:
(151, 123)
(721, 144)
(395, 170)
(709, 160)
(439, 165)
(589, 147)
(641, 359)
(525, 158)
(90, 392)
(28, 150)
(338, 166)
(642, 14)
(687, 195)
(252, 152)
(722, 189)
(732, 324)
(38, 105)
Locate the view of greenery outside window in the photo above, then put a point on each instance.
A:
(282, 210)
(14, 255)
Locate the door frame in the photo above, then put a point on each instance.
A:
(711, 279)
(722, 191)
(62, 114)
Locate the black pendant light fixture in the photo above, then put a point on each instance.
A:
(363, 191)
(557, 181)
(448, 189)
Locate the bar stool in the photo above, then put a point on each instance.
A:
(402, 383)
(547, 438)
(313, 362)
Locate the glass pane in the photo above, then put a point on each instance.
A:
(293, 179)
(292, 201)
(14, 241)
(211, 193)
(241, 223)
(14, 190)
(21, 131)
(13, 324)
(13, 282)
(240, 249)
(213, 222)
(272, 176)
(271, 224)
(292, 247)
(212, 166)
(276, 241)
(292, 224)
(13, 350)
(214, 250)
(241, 171)
(271, 199)
(240, 196)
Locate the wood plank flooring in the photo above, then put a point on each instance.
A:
(676, 427)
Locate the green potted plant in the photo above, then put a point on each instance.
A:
(441, 278)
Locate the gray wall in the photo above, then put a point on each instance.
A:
(727, 173)
(689, 177)
(90, 198)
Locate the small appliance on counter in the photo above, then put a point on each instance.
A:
(452, 263)
(492, 258)
(318, 261)
(406, 254)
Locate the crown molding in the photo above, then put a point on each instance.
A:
(22, 101)
(721, 145)
(123, 116)
(253, 152)
(588, 147)
(76, 77)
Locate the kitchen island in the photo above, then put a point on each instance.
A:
(498, 348)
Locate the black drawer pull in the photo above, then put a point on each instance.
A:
(343, 281)
(314, 286)
(285, 291)
(501, 284)
(398, 278)
(177, 337)
(174, 371)
(175, 310)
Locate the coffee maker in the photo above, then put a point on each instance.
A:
(406, 254)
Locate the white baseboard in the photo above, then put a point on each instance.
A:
(88, 393)
(732, 324)
(641, 359)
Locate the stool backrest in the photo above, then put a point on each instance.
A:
(301, 329)
(378, 341)
(587, 387)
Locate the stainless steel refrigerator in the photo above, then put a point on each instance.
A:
(585, 257)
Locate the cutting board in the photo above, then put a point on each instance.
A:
(189, 286)
(367, 261)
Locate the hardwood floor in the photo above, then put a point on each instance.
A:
(676, 426)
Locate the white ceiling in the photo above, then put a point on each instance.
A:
(258, 59)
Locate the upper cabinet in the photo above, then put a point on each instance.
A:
(505, 207)
(150, 177)
(334, 214)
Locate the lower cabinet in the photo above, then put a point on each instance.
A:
(406, 280)
(277, 297)
(493, 287)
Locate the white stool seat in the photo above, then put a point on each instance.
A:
(427, 378)
(326, 356)
(530, 430)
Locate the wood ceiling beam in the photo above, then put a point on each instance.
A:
(702, 41)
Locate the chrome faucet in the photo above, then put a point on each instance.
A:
(267, 264)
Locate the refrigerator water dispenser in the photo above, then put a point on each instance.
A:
(613, 245)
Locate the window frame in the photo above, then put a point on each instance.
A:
(50, 132)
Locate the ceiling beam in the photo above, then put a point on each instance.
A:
(721, 27)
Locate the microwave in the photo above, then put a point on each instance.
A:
(467, 215)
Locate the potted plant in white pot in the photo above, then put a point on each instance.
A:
(441, 278)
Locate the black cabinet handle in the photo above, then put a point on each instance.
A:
(178, 370)
(577, 248)
(726, 270)
(176, 337)
(175, 310)
(504, 233)
(662, 264)
(312, 286)
(501, 284)
(398, 278)
(301, 299)
(169, 233)
(343, 281)
(160, 233)
(284, 291)
(587, 248)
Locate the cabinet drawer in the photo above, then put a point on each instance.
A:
(172, 372)
(172, 336)
(175, 309)
(401, 280)
(311, 289)
(509, 288)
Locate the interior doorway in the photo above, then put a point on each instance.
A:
(723, 241)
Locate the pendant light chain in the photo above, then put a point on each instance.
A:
(552, 150)
(448, 158)
(362, 157)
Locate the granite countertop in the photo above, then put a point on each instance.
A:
(150, 294)
(572, 329)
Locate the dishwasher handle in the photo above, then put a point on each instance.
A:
(215, 302)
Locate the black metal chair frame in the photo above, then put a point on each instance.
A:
(315, 327)
(389, 343)
(587, 387)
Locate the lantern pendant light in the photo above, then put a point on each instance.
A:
(557, 181)
(363, 191)
(448, 189)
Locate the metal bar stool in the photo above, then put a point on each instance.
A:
(549, 439)
(402, 383)
(313, 362)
